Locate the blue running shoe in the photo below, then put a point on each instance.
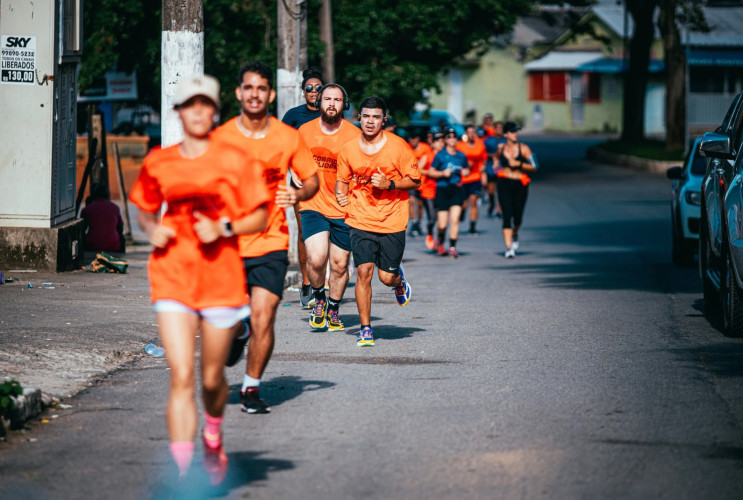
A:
(366, 337)
(404, 291)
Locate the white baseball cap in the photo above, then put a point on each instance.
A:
(203, 85)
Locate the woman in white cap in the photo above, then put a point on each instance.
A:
(513, 184)
(208, 195)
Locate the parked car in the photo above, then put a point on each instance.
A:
(439, 118)
(721, 221)
(685, 202)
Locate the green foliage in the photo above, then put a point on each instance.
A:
(383, 47)
(8, 389)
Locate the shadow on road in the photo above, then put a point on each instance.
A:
(244, 468)
(281, 389)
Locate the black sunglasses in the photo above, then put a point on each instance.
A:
(310, 88)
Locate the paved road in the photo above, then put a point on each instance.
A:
(581, 369)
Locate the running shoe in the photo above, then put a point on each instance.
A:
(515, 243)
(442, 250)
(215, 462)
(366, 337)
(238, 344)
(404, 291)
(250, 402)
(453, 252)
(305, 295)
(317, 316)
(510, 253)
(430, 243)
(334, 321)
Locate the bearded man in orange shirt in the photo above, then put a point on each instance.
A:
(375, 173)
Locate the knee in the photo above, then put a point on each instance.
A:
(213, 380)
(364, 272)
(182, 381)
(388, 279)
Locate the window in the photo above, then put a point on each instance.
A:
(592, 87)
(547, 86)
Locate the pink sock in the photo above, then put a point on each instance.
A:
(182, 453)
(212, 431)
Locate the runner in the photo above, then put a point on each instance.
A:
(448, 168)
(423, 196)
(374, 175)
(279, 147)
(428, 190)
(491, 169)
(211, 192)
(513, 184)
(312, 82)
(487, 125)
(474, 150)
(326, 234)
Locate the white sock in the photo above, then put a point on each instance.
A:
(249, 381)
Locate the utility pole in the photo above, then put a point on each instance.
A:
(326, 35)
(292, 58)
(292, 53)
(182, 56)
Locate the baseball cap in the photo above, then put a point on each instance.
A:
(511, 127)
(450, 131)
(389, 122)
(192, 86)
(438, 135)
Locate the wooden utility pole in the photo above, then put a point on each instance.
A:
(292, 53)
(182, 56)
(326, 35)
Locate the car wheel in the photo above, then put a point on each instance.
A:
(709, 291)
(732, 302)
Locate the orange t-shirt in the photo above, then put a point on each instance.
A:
(476, 156)
(489, 130)
(220, 183)
(325, 149)
(282, 148)
(428, 184)
(371, 209)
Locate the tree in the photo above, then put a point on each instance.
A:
(636, 79)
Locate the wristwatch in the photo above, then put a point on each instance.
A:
(391, 186)
(226, 227)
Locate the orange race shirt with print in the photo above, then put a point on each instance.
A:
(476, 156)
(222, 182)
(371, 209)
(325, 148)
(282, 148)
(428, 185)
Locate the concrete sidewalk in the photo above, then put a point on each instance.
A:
(60, 333)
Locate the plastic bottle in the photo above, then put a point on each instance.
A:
(153, 350)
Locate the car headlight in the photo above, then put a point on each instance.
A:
(693, 197)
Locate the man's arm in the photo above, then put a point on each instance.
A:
(286, 196)
(341, 193)
(380, 181)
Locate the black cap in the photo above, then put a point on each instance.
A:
(510, 127)
(438, 135)
(450, 131)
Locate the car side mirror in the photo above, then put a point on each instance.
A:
(714, 145)
(674, 173)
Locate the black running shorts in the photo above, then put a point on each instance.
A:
(267, 271)
(382, 249)
(471, 188)
(447, 197)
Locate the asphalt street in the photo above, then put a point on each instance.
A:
(583, 368)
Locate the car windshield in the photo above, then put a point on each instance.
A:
(699, 165)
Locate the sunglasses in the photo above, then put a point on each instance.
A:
(310, 88)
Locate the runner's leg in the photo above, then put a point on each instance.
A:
(363, 291)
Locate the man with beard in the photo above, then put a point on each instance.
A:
(326, 234)
(278, 147)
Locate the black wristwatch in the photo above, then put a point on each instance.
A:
(391, 186)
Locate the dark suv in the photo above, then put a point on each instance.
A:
(721, 222)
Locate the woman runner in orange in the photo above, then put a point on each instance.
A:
(210, 196)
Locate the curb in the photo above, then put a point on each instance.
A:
(633, 162)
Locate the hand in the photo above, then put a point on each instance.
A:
(206, 229)
(161, 236)
(447, 173)
(286, 196)
(342, 198)
(379, 180)
(465, 172)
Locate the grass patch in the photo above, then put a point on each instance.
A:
(648, 149)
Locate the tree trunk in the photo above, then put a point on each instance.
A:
(675, 60)
(636, 79)
(326, 35)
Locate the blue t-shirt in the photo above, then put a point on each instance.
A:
(296, 117)
(456, 162)
(491, 146)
